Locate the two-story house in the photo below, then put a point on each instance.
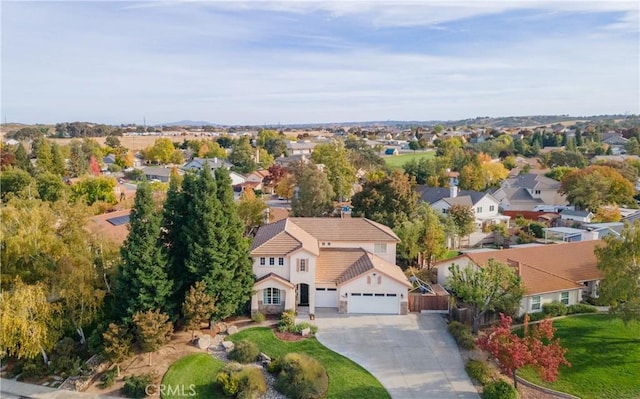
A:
(309, 263)
(484, 205)
(529, 192)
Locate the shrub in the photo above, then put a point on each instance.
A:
(554, 308)
(33, 368)
(64, 358)
(301, 326)
(462, 334)
(287, 321)
(479, 371)
(136, 385)
(108, 378)
(537, 316)
(228, 384)
(302, 377)
(274, 366)
(242, 382)
(581, 308)
(258, 317)
(499, 390)
(251, 383)
(244, 352)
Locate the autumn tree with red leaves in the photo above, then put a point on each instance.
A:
(536, 348)
(94, 168)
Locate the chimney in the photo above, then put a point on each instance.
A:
(453, 183)
(215, 160)
(515, 264)
(453, 191)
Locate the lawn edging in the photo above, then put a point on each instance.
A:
(545, 390)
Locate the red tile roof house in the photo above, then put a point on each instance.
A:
(556, 272)
(303, 264)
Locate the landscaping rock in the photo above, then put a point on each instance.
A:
(228, 345)
(221, 327)
(217, 340)
(232, 330)
(305, 332)
(264, 357)
(204, 341)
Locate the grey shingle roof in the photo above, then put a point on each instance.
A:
(432, 195)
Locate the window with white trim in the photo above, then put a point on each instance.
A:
(271, 296)
(564, 297)
(535, 302)
(272, 261)
(380, 248)
(280, 261)
(479, 209)
(263, 261)
(302, 265)
(492, 208)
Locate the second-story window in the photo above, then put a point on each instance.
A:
(302, 265)
(380, 248)
(263, 261)
(479, 209)
(492, 208)
(280, 261)
(272, 261)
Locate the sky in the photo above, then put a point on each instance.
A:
(264, 62)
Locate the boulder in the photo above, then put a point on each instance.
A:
(221, 327)
(305, 332)
(204, 341)
(232, 330)
(264, 357)
(217, 340)
(228, 345)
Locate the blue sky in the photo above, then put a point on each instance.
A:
(265, 62)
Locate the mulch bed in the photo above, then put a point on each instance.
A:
(287, 336)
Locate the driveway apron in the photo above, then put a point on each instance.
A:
(413, 356)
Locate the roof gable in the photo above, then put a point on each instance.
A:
(345, 229)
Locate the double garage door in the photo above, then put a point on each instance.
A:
(364, 302)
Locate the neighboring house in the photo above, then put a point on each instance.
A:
(391, 151)
(214, 163)
(484, 205)
(158, 173)
(347, 264)
(614, 158)
(576, 216)
(257, 176)
(109, 160)
(287, 161)
(300, 147)
(529, 192)
(556, 272)
(616, 141)
(236, 178)
(112, 226)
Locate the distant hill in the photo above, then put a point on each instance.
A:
(189, 123)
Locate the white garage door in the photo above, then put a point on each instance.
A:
(373, 303)
(326, 297)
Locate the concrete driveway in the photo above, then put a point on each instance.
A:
(413, 356)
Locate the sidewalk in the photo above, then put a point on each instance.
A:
(16, 389)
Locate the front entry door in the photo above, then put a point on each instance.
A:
(304, 295)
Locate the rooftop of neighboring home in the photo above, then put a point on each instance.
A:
(532, 181)
(545, 268)
(214, 163)
(300, 145)
(291, 234)
(159, 171)
(112, 226)
(569, 212)
(615, 158)
(432, 195)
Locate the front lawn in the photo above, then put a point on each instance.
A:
(346, 378)
(604, 356)
(194, 371)
(396, 161)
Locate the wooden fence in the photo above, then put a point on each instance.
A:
(464, 315)
(435, 302)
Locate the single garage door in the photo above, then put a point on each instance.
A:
(374, 303)
(326, 297)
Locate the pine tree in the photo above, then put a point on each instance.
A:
(22, 159)
(57, 160)
(236, 293)
(44, 156)
(142, 282)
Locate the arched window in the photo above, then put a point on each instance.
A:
(271, 296)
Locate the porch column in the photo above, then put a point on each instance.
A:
(312, 298)
(254, 302)
(289, 298)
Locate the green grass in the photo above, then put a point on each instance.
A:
(200, 370)
(604, 355)
(396, 161)
(346, 378)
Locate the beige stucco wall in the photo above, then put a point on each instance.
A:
(575, 296)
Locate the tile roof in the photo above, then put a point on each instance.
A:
(100, 226)
(345, 229)
(340, 265)
(282, 237)
(273, 276)
(546, 268)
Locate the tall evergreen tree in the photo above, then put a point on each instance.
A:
(174, 245)
(142, 282)
(57, 160)
(22, 159)
(231, 297)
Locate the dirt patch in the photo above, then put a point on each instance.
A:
(287, 336)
